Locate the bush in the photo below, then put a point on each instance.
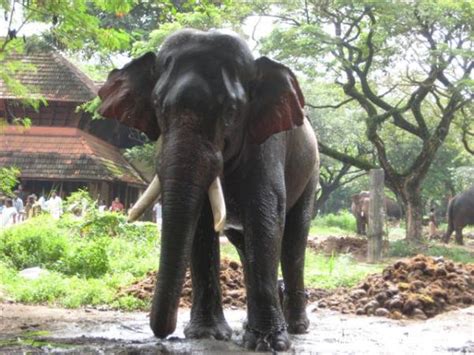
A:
(37, 242)
(86, 258)
(343, 220)
(401, 248)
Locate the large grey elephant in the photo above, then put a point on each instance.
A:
(236, 154)
(360, 210)
(460, 214)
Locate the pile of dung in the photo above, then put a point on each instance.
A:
(232, 286)
(420, 287)
(342, 245)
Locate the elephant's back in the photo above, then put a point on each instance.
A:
(462, 205)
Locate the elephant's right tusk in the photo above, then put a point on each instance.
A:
(146, 199)
(216, 197)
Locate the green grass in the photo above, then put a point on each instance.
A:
(401, 248)
(335, 271)
(89, 261)
(342, 223)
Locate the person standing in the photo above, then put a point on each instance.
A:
(43, 203)
(432, 224)
(102, 206)
(157, 214)
(9, 214)
(55, 205)
(116, 206)
(20, 207)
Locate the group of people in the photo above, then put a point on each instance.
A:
(14, 210)
(17, 209)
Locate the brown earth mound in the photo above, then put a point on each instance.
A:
(342, 245)
(232, 285)
(420, 287)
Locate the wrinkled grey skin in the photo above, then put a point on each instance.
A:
(360, 210)
(222, 113)
(460, 214)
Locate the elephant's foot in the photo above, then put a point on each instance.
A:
(272, 340)
(208, 329)
(294, 307)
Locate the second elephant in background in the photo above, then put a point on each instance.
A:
(360, 210)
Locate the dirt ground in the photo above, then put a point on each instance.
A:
(40, 329)
(427, 291)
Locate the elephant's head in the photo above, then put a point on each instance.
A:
(360, 204)
(206, 97)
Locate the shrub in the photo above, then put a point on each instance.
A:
(36, 242)
(401, 248)
(87, 258)
(343, 220)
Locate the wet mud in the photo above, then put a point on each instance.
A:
(45, 330)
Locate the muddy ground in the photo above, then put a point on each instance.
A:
(41, 329)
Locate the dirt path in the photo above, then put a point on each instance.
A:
(42, 329)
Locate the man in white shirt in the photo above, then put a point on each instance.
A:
(55, 205)
(9, 214)
(157, 214)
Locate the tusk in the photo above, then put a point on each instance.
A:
(146, 199)
(216, 197)
(151, 193)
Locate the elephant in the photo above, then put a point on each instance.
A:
(360, 210)
(236, 155)
(460, 214)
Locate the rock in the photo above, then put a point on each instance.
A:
(33, 273)
(381, 312)
(358, 293)
(440, 271)
(396, 303)
(381, 297)
(396, 315)
(419, 314)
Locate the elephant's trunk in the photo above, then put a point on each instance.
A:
(180, 205)
(186, 180)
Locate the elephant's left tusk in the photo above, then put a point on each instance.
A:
(145, 200)
(216, 197)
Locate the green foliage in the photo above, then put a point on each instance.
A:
(8, 179)
(343, 220)
(401, 248)
(86, 258)
(145, 153)
(335, 271)
(37, 242)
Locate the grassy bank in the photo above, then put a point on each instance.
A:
(86, 262)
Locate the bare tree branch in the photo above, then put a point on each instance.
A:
(330, 106)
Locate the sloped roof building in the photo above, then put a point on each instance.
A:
(64, 149)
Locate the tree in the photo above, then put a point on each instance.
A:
(335, 124)
(407, 67)
(8, 179)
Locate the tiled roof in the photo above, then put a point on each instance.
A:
(63, 153)
(52, 76)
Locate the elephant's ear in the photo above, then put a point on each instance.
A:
(126, 95)
(276, 101)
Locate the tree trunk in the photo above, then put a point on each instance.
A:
(414, 213)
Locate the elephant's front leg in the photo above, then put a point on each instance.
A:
(207, 317)
(263, 228)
